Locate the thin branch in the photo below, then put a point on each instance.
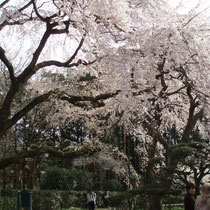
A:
(24, 7)
(195, 17)
(77, 50)
(66, 63)
(37, 13)
(29, 71)
(175, 92)
(61, 64)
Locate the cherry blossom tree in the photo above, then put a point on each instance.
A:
(149, 70)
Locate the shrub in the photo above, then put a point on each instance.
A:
(62, 179)
(8, 199)
(82, 179)
(57, 179)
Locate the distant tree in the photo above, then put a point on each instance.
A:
(195, 166)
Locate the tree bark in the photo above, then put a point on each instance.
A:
(155, 202)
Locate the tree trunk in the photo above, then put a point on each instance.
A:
(124, 139)
(4, 179)
(155, 202)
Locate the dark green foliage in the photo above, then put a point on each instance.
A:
(57, 179)
(87, 78)
(114, 185)
(74, 131)
(62, 179)
(82, 179)
(8, 199)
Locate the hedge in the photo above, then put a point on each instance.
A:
(48, 199)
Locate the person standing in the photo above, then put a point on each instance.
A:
(202, 202)
(189, 200)
(91, 199)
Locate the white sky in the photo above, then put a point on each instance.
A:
(185, 6)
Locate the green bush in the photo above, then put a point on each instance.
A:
(8, 199)
(57, 179)
(62, 179)
(82, 180)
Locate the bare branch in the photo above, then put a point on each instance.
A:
(8, 64)
(60, 64)
(66, 63)
(8, 123)
(95, 101)
(3, 3)
(196, 15)
(37, 13)
(25, 6)
(175, 92)
(77, 50)
(29, 71)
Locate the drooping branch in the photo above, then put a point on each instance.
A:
(30, 70)
(77, 50)
(21, 79)
(196, 15)
(45, 149)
